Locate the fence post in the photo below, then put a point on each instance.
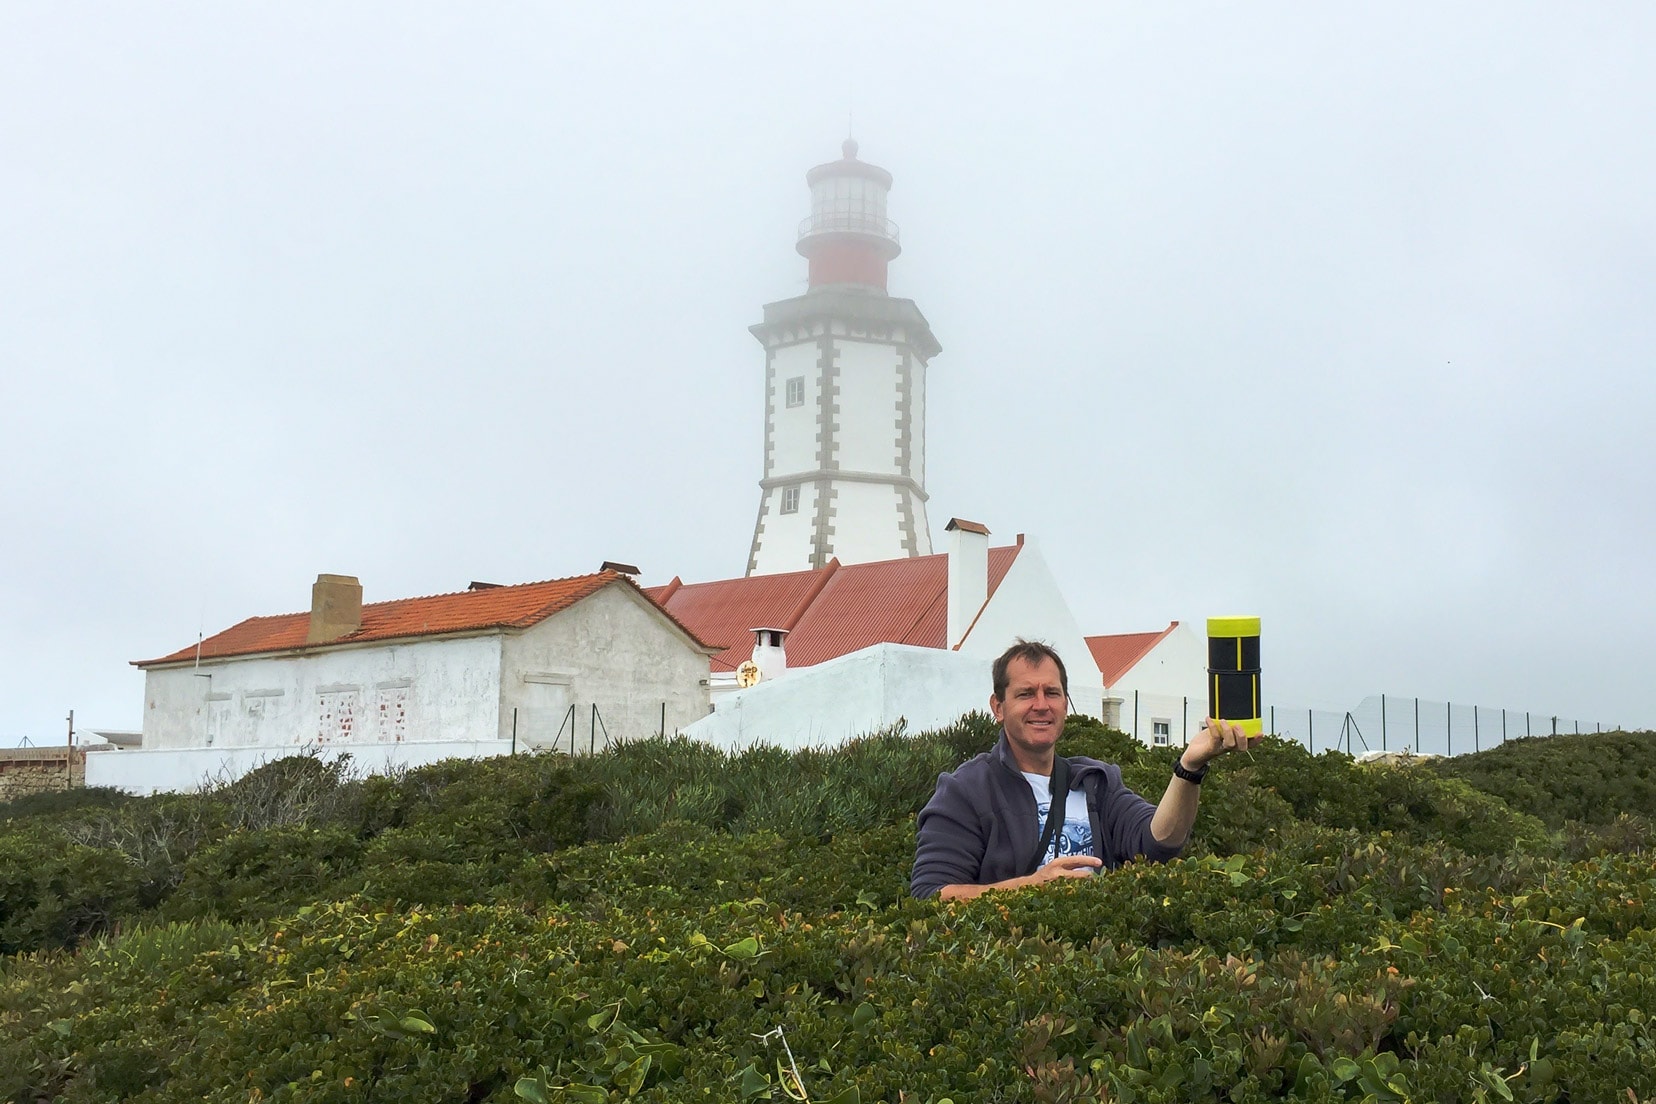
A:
(514, 730)
(1503, 725)
(1417, 726)
(1382, 722)
(1135, 714)
(1184, 723)
(1310, 733)
(1449, 726)
(1476, 746)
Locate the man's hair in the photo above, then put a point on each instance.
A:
(1032, 652)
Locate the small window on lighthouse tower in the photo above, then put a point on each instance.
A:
(796, 391)
(790, 500)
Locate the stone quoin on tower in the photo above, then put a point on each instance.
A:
(845, 390)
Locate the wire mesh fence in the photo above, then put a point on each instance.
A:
(1381, 722)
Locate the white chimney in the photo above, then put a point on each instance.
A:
(968, 576)
(770, 654)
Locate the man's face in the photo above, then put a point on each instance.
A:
(1033, 712)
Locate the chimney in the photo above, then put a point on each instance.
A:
(336, 608)
(968, 576)
(770, 654)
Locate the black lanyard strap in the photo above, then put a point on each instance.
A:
(1058, 788)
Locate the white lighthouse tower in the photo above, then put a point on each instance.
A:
(845, 391)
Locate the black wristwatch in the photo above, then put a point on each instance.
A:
(1194, 777)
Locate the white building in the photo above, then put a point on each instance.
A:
(1157, 681)
(845, 391)
(866, 645)
(571, 663)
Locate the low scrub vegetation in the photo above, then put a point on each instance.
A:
(667, 922)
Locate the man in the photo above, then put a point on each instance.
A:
(989, 825)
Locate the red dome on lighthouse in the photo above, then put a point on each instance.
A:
(848, 239)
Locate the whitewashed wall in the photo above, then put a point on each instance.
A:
(1029, 604)
(794, 438)
(614, 650)
(183, 769)
(404, 692)
(851, 696)
(867, 400)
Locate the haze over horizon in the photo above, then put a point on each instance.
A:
(1341, 317)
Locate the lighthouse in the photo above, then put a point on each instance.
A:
(845, 390)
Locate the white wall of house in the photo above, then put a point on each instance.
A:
(183, 769)
(429, 698)
(851, 696)
(614, 650)
(1029, 604)
(1166, 687)
(412, 691)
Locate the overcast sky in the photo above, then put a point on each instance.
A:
(1337, 314)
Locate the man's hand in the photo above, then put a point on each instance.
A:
(1214, 739)
(1067, 866)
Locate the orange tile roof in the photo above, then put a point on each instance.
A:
(495, 607)
(1116, 655)
(829, 612)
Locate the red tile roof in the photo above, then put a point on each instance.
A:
(1116, 655)
(829, 612)
(494, 607)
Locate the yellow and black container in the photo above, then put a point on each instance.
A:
(1233, 671)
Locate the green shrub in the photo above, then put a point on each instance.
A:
(252, 875)
(644, 921)
(53, 892)
(1589, 778)
(62, 801)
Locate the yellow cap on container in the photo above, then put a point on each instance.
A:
(1233, 626)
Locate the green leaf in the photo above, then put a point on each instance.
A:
(1137, 1056)
(631, 1076)
(851, 1095)
(743, 950)
(584, 1094)
(416, 1023)
(754, 1082)
(863, 1016)
(533, 1089)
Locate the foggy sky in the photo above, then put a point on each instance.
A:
(1340, 316)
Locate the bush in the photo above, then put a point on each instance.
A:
(549, 928)
(1590, 778)
(54, 893)
(62, 801)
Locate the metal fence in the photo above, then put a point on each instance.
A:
(1381, 722)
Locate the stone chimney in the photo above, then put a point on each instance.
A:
(770, 653)
(968, 576)
(336, 608)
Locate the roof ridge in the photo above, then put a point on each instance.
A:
(488, 590)
(824, 573)
(563, 601)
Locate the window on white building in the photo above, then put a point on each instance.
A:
(790, 500)
(336, 715)
(796, 391)
(1161, 732)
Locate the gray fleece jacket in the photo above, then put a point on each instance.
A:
(981, 824)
